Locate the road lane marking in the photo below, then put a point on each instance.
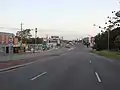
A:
(99, 80)
(90, 61)
(38, 76)
(12, 68)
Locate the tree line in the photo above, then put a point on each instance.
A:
(101, 40)
(113, 29)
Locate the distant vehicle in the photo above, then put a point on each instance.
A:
(71, 43)
(67, 46)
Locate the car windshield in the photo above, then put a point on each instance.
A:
(60, 45)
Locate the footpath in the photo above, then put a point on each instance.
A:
(18, 60)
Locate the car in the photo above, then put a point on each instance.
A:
(67, 46)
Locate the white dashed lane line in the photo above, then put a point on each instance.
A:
(96, 74)
(90, 62)
(98, 77)
(37, 76)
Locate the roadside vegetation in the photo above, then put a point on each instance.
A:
(112, 28)
(108, 54)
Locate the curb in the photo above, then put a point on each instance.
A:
(22, 65)
(14, 67)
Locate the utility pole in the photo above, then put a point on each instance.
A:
(35, 38)
(108, 40)
(47, 38)
(21, 35)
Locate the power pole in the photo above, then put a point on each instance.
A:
(35, 38)
(47, 38)
(21, 35)
(108, 40)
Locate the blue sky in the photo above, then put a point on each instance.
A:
(68, 18)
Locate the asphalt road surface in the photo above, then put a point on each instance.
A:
(76, 69)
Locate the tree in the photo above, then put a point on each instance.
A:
(25, 35)
(101, 40)
(117, 42)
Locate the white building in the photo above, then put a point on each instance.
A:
(54, 40)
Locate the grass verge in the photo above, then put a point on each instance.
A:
(108, 54)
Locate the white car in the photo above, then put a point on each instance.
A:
(67, 46)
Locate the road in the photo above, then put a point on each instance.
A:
(76, 69)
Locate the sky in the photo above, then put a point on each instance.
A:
(71, 19)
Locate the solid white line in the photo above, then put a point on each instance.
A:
(15, 67)
(38, 76)
(99, 80)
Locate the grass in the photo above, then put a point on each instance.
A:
(108, 54)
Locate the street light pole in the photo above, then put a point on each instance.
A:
(108, 36)
(21, 36)
(108, 39)
(35, 37)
